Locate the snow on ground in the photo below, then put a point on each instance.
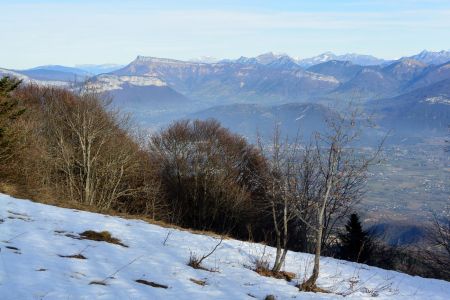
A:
(36, 234)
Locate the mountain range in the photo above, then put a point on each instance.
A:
(411, 92)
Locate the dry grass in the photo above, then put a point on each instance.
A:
(44, 197)
(152, 284)
(77, 256)
(97, 282)
(306, 287)
(12, 248)
(197, 281)
(288, 276)
(261, 266)
(195, 262)
(103, 236)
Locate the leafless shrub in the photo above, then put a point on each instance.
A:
(341, 176)
(354, 284)
(435, 252)
(195, 260)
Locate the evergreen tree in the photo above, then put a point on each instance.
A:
(355, 242)
(9, 111)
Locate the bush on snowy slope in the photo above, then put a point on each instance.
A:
(210, 176)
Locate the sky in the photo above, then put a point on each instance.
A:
(71, 32)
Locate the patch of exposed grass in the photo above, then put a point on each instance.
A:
(103, 236)
(97, 282)
(152, 284)
(288, 276)
(46, 197)
(12, 248)
(77, 256)
(307, 287)
(197, 281)
(262, 267)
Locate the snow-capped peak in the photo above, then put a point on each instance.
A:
(267, 58)
(205, 59)
(430, 57)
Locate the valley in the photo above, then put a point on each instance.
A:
(407, 100)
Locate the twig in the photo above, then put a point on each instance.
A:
(212, 251)
(13, 238)
(169, 233)
(118, 270)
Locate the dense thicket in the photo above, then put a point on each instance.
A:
(76, 150)
(211, 177)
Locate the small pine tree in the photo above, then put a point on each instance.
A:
(9, 111)
(355, 242)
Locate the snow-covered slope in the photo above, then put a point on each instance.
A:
(358, 59)
(107, 82)
(33, 237)
(430, 57)
(28, 79)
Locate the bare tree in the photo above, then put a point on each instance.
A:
(280, 197)
(341, 175)
(93, 155)
(436, 253)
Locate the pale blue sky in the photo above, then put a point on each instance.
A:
(73, 32)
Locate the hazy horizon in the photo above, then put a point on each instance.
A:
(80, 65)
(95, 32)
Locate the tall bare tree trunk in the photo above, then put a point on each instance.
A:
(310, 284)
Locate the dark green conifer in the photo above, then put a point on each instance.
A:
(9, 111)
(355, 242)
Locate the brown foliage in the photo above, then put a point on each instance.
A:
(288, 276)
(76, 148)
(209, 175)
(103, 236)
